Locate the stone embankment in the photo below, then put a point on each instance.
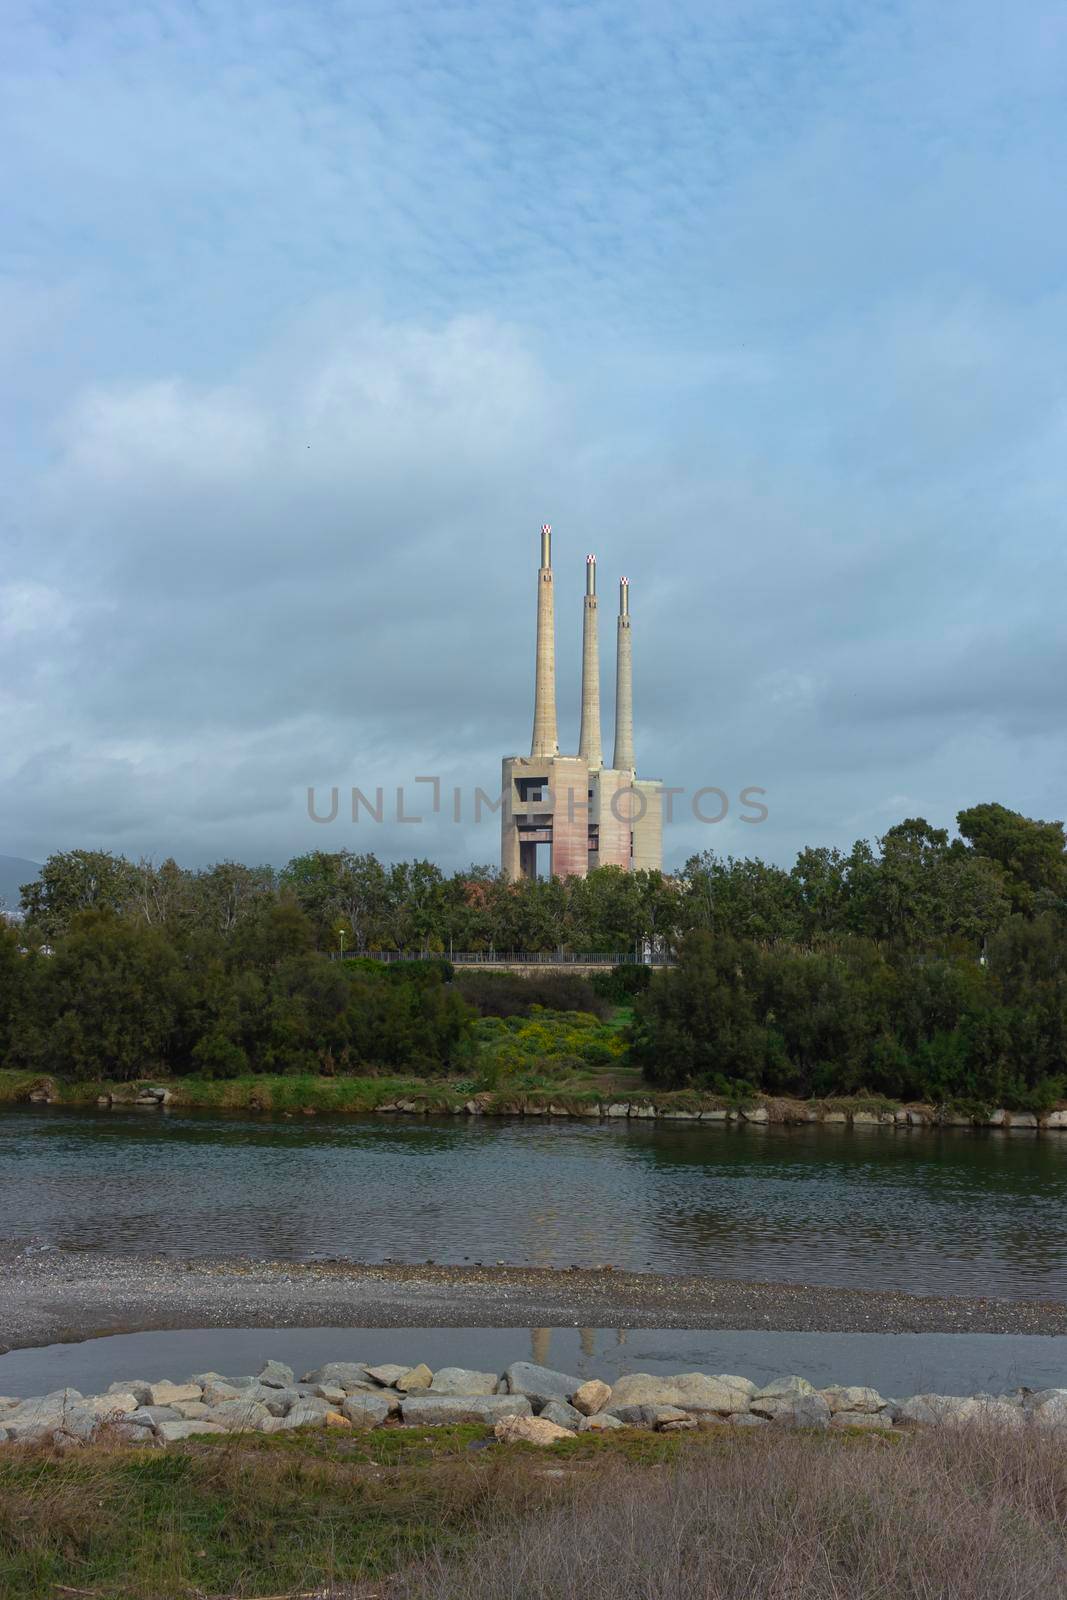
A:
(441, 1101)
(526, 1403)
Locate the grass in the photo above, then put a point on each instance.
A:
(722, 1515)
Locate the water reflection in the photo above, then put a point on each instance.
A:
(949, 1212)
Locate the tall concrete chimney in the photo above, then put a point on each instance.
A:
(624, 687)
(545, 735)
(589, 738)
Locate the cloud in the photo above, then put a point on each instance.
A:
(310, 323)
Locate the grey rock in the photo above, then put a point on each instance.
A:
(426, 1410)
(746, 1419)
(329, 1391)
(787, 1388)
(138, 1387)
(169, 1394)
(852, 1398)
(237, 1415)
(185, 1428)
(387, 1374)
(341, 1372)
(148, 1416)
(461, 1380)
(191, 1410)
(110, 1405)
(563, 1415)
(600, 1422)
(691, 1391)
(651, 1416)
(366, 1410)
(416, 1378)
(275, 1375)
(540, 1384)
(303, 1415)
(807, 1411)
(217, 1390)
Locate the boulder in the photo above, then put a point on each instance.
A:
(329, 1391)
(334, 1419)
(366, 1410)
(1056, 1119)
(617, 1108)
(217, 1389)
(419, 1377)
(186, 1428)
(138, 1387)
(169, 1394)
(601, 1422)
(563, 1415)
(746, 1419)
(148, 1416)
(276, 1375)
(302, 1415)
(591, 1397)
(461, 1380)
(190, 1409)
(691, 1391)
(530, 1430)
(428, 1410)
(388, 1374)
(852, 1398)
(342, 1372)
(756, 1114)
(651, 1416)
(240, 1416)
(539, 1384)
(953, 1410)
(806, 1411)
(110, 1405)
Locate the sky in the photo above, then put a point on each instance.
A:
(311, 314)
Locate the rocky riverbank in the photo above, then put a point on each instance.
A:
(526, 1402)
(309, 1096)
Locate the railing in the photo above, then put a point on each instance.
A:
(525, 958)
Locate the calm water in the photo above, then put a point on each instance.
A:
(978, 1214)
(896, 1364)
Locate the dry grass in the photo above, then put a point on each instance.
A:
(788, 1517)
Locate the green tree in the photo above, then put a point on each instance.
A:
(1029, 853)
(72, 881)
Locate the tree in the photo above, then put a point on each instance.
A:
(72, 881)
(105, 1004)
(1029, 853)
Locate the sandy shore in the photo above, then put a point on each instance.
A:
(55, 1295)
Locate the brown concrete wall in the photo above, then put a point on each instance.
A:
(569, 779)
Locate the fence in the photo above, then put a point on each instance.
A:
(522, 958)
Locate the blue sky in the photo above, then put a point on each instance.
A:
(311, 314)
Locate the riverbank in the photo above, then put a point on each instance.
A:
(54, 1296)
(450, 1514)
(614, 1095)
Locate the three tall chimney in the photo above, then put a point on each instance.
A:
(545, 733)
(589, 738)
(623, 760)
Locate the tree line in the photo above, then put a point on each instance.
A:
(914, 885)
(917, 966)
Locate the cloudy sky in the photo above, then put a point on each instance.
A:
(312, 312)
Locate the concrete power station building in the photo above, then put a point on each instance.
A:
(588, 814)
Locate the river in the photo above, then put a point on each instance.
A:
(921, 1212)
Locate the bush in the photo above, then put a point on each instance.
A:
(511, 994)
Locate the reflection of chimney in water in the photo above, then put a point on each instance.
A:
(620, 1335)
(540, 1341)
(588, 1338)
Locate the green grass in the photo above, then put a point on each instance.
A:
(255, 1515)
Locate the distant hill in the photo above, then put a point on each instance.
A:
(14, 872)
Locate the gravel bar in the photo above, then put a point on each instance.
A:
(52, 1296)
